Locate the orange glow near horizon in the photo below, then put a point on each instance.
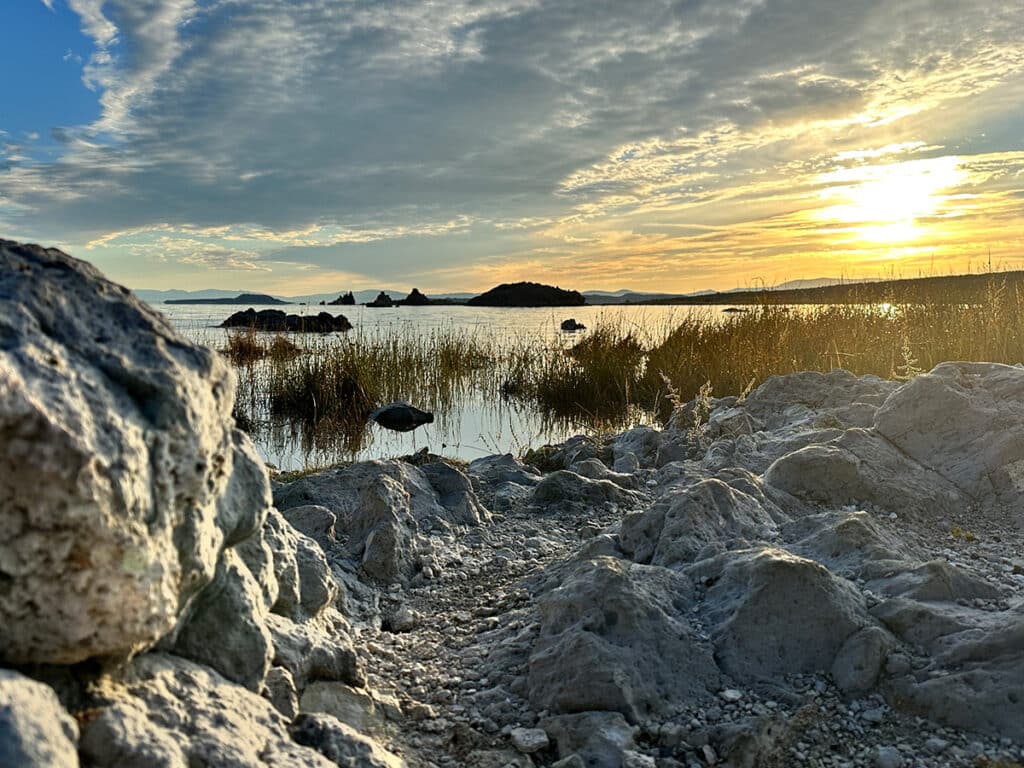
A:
(879, 212)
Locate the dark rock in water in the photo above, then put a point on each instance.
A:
(258, 299)
(382, 300)
(276, 320)
(401, 417)
(416, 299)
(572, 325)
(345, 299)
(528, 295)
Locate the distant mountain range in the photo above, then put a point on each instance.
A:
(254, 299)
(622, 296)
(215, 295)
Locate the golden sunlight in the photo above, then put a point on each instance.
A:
(884, 203)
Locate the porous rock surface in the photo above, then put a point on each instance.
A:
(35, 731)
(141, 539)
(826, 572)
(121, 474)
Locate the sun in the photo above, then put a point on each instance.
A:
(886, 203)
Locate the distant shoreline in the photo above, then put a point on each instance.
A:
(945, 289)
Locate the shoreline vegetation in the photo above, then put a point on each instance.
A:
(616, 374)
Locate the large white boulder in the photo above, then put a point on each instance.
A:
(966, 422)
(122, 477)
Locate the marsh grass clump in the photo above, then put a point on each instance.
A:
(244, 348)
(887, 340)
(247, 347)
(317, 387)
(596, 376)
(282, 348)
(329, 386)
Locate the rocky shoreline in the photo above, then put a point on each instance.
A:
(828, 572)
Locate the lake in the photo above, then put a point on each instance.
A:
(474, 426)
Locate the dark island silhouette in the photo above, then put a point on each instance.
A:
(415, 299)
(528, 295)
(345, 299)
(382, 300)
(276, 320)
(255, 299)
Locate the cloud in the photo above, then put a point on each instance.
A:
(459, 135)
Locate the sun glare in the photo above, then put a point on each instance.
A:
(885, 203)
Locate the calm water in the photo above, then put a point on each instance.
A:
(477, 426)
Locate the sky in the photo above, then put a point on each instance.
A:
(308, 146)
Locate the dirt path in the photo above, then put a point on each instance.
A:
(460, 671)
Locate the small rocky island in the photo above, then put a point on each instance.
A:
(528, 295)
(382, 300)
(276, 320)
(415, 299)
(826, 572)
(343, 300)
(255, 299)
